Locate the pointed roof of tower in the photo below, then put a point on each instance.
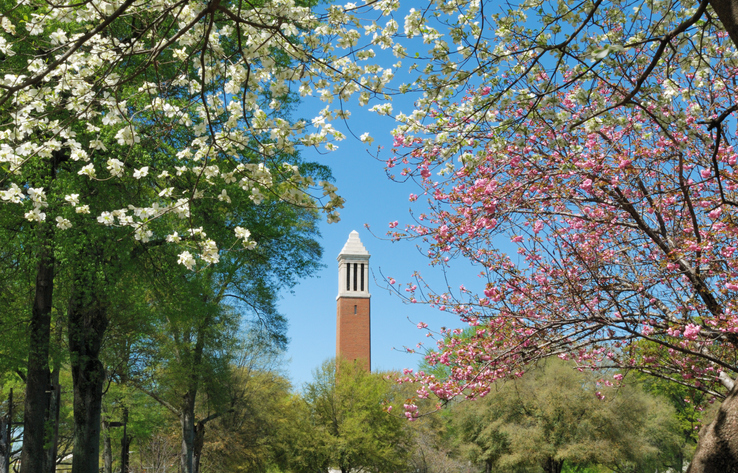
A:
(354, 246)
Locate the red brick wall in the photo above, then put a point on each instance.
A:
(353, 335)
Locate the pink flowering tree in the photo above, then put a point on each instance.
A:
(588, 172)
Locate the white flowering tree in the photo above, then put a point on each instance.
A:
(118, 117)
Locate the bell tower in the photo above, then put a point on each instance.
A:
(353, 336)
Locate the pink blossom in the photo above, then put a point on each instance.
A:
(587, 185)
(691, 331)
(392, 280)
(393, 224)
(705, 173)
(673, 332)
(715, 213)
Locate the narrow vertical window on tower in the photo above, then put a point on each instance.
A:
(354, 310)
(356, 268)
(362, 276)
(348, 276)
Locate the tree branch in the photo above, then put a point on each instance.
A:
(726, 380)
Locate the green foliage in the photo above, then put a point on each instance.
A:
(343, 422)
(552, 415)
(248, 438)
(434, 448)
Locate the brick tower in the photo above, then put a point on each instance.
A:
(353, 338)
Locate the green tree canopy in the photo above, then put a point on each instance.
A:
(556, 415)
(345, 423)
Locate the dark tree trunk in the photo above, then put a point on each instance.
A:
(38, 375)
(727, 12)
(187, 421)
(553, 466)
(107, 448)
(197, 448)
(6, 422)
(87, 324)
(125, 449)
(125, 444)
(717, 448)
(53, 417)
(187, 412)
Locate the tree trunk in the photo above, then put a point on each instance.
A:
(187, 420)
(125, 450)
(107, 448)
(38, 376)
(5, 444)
(717, 448)
(125, 444)
(187, 412)
(199, 442)
(87, 324)
(53, 417)
(727, 12)
(553, 466)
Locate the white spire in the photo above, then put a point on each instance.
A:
(353, 246)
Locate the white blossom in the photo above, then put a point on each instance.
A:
(14, 194)
(106, 218)
(72, 199)
(173, 238)
(186, 259)
(139, 173)
(223, 197)
(35, 215)
(116, 167)
(62, 223)
(88, 170)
